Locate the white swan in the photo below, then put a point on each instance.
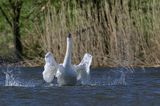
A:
(66, 73)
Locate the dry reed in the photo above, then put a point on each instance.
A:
(115, 32)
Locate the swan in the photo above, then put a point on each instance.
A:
(66, 73)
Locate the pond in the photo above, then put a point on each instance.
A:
(108, 87)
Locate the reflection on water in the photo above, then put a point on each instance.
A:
(108, 86)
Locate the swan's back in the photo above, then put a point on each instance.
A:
(66, 76)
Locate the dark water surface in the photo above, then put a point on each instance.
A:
(109, 87)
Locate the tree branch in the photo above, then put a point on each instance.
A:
(5, 16)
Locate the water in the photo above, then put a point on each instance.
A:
(108, 87)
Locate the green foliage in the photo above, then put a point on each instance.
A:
(128, 29)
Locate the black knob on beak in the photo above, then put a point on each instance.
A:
(69, 35)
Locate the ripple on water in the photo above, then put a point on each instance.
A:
(107, 87)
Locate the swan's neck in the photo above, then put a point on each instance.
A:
(67, 59)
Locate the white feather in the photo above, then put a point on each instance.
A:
(83, 69)
(50, 68)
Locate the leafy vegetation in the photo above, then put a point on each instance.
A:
(116, 33)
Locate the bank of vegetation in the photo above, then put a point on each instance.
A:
(115, 32)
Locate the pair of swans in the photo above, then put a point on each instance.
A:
(66, 73)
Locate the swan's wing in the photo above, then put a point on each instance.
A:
(50, 68)
(83, 69)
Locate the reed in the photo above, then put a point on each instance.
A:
(115, 32)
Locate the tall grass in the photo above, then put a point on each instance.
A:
(115, 32)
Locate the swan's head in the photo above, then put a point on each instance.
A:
(69, 40)
(49, 58)
(69, 35)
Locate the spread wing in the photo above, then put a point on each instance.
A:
(50, 68)
(83, 69)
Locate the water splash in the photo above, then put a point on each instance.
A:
(112, 77)
(12, 78)
(17, 77)
(118, 81)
